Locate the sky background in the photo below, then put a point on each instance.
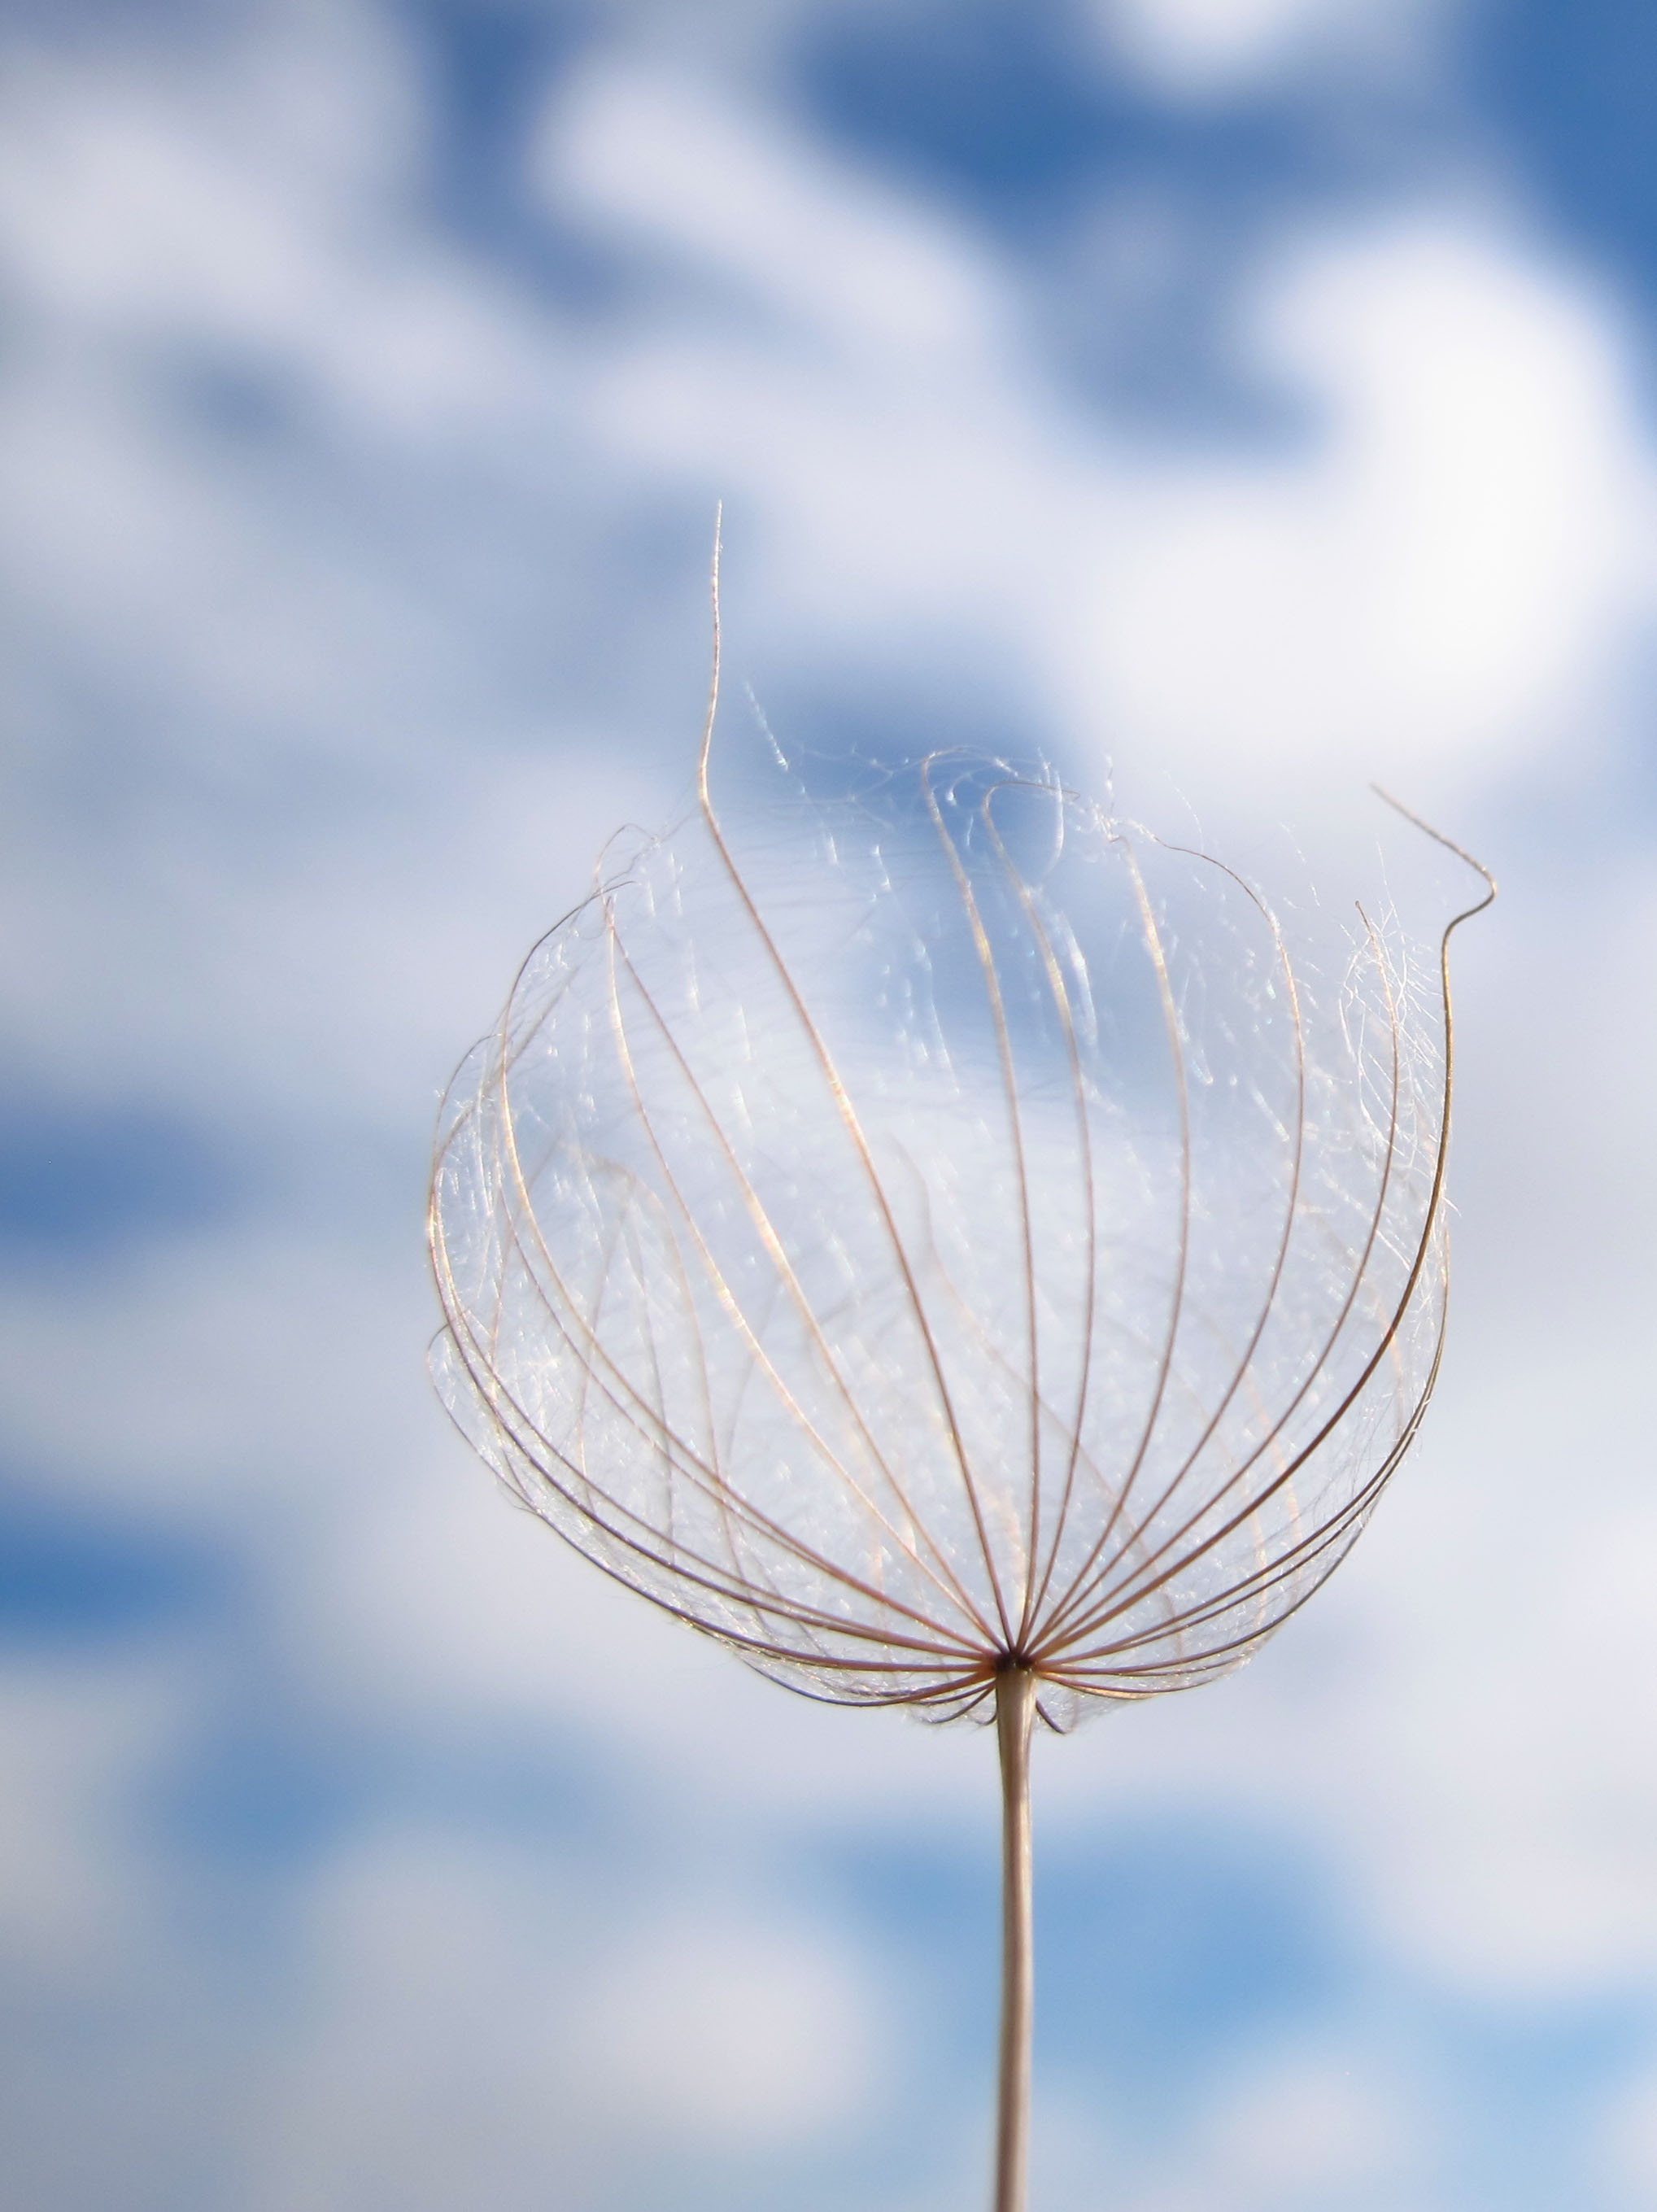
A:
(1244, 398)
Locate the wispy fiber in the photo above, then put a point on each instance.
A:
(937, 1242)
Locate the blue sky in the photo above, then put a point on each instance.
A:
(1244, 401)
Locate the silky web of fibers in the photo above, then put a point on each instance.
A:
(938, 1222)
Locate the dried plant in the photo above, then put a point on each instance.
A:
(939, 1244)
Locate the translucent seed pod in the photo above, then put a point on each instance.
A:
(936, 1243)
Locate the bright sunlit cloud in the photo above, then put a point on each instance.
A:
(1429, 593)
(1207, 49)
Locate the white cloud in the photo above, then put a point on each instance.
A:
(1427, 589)
(420, 2058)
(77, 1735)
(1309, 2127)
(1207, 49)
(254, 197)
(734, 199)
(1627, 2143)
(455, 2016)
(734, 2034)
(1281, 2125)
(1433, 590)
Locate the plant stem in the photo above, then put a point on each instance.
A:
(1015, 1713)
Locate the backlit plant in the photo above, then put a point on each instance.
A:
(937, 1243)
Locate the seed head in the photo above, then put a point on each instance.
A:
(937, 1227)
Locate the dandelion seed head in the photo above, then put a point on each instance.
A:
(931, 1224)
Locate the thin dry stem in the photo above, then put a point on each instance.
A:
(1015, 1716)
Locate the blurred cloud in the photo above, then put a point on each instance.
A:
(1256, 396)
(733, 2034)
(1311, 2128)
(1460, 560)
(77, 1730)
(1207, 48)
(1629, 2145)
